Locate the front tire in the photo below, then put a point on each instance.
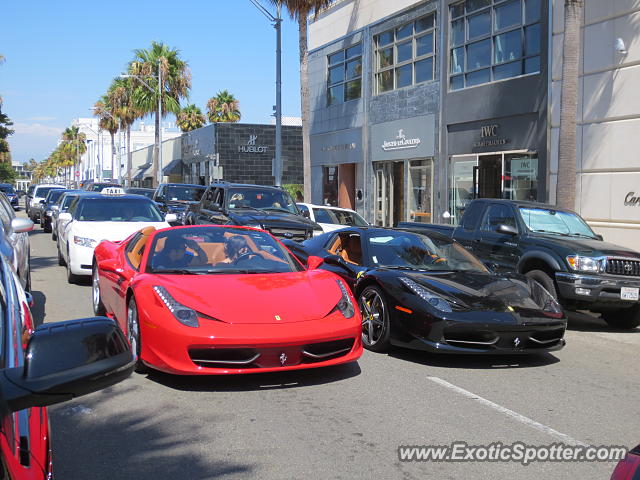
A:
(98, 306)
(60, 257)
(375, 320)
(626, 319)
(545, 280)
(72, 278)
(133, 334)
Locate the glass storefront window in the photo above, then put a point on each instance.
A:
(330, 186)
(420, 188)
(520, 176)
(462, 186)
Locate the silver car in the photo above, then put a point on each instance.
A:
(34, 199)
(14, 241)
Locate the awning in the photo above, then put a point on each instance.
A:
(142, 172)
(174, 167)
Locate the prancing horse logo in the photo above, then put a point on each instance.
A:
(283, 358)
(516, 342)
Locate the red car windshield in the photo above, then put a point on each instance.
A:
(214, 250)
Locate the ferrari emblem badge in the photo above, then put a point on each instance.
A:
(278, 318)
(360, 273)
(283, 358)
(516, 342)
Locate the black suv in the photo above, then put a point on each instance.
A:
(176, 198)
(268, 208)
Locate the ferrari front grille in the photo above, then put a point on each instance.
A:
(319, 352)
(223, 357)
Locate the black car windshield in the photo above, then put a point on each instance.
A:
(7, 189)
(257, 198)
(109, 209)
(557, 222)
(338, 217)
(184, 193)
(414, 251)
(54, 195)
(218, 250)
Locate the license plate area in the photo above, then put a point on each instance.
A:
(628, 293)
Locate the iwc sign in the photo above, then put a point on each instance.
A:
(489, 137)
(251, 146)
(401, 142)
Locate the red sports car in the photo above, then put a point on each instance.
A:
(221, 299)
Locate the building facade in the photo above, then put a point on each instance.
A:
(418, 106)
(23, 176)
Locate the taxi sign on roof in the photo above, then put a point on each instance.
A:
(112, 191)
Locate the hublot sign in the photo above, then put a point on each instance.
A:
(251, 146)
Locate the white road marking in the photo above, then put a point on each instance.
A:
(510, 413)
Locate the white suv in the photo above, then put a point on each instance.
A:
(332, 218)
(32, 205)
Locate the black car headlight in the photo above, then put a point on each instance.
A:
(585, 264)
(185, 315)
(546, 301)
(434, 300)
(345, 305)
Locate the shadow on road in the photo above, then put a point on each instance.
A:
(91, 441)
(39, 310)
(474, 362)
(43, 262)
(588, 322)
(257, 381)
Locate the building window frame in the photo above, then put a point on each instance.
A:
(461, 41)
(391, 59)
(344, 75)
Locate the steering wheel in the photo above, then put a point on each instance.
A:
(244, 255)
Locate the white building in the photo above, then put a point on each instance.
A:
(608, 142)
(23, 176)
(104, 154)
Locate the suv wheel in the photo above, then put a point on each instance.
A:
(545, 280)
(626, 319)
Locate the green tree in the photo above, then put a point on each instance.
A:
(121, 97)
(300, 10)
(107, 121)
(223, 108)
(190, 118)
(567, 154)
(74, 146)
(5, 132)
(164, 62)
(7, 173)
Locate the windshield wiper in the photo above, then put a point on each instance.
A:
(179, 271)
(277, 209)
(581, 235)
(551, 232)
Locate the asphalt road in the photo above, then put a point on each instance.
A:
(345, 422)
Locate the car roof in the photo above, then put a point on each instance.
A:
(178, 184)
(126, 196)
(244, 185)
(329, 207)
(49, 185)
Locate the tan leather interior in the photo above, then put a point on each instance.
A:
(135, 254)
(348, 247)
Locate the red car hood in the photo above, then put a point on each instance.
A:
(256, 298)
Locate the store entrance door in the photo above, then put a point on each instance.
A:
(488, 176)
(389, 193)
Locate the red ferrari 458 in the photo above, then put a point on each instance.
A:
(219, 299)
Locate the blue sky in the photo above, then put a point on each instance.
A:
(62, 55)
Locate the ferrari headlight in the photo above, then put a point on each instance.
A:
(546, 301)
(183, 314)
(585, 264)
(345, 305)
(436, 301)
(84, 241)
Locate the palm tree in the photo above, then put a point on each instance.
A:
(190, 118)
(299, 10)
(567, 156)
(223, 108)
(74, 144)
(107, 121)
(120, 95)
(159, 60)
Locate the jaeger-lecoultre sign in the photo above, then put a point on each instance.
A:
(401, 142)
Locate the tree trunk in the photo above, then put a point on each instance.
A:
(567, 155)
(113, 151)
(304, 106)
(129, 159)
(156, 152)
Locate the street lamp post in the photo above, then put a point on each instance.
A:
(277, 24)
(157, 169)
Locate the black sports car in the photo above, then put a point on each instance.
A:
(427, 292)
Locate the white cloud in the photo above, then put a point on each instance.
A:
(41, 119)
(36, 129)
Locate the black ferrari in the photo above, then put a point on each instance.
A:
(427, 292)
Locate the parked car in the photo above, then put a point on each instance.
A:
(93, 218)
(62, 205)
(47, 208)
(176, 198)
(332, 218)
(35, 375)
(629, 467)
(427, 292)
(557, 248)
(223, 300)
(99, 186)
(33, 205)
(258, 206)
(11, 194)
(14, 241)
(145, 192)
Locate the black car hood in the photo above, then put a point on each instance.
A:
(585, 246)
(178, 206)
(484, 291)
(268, 218)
